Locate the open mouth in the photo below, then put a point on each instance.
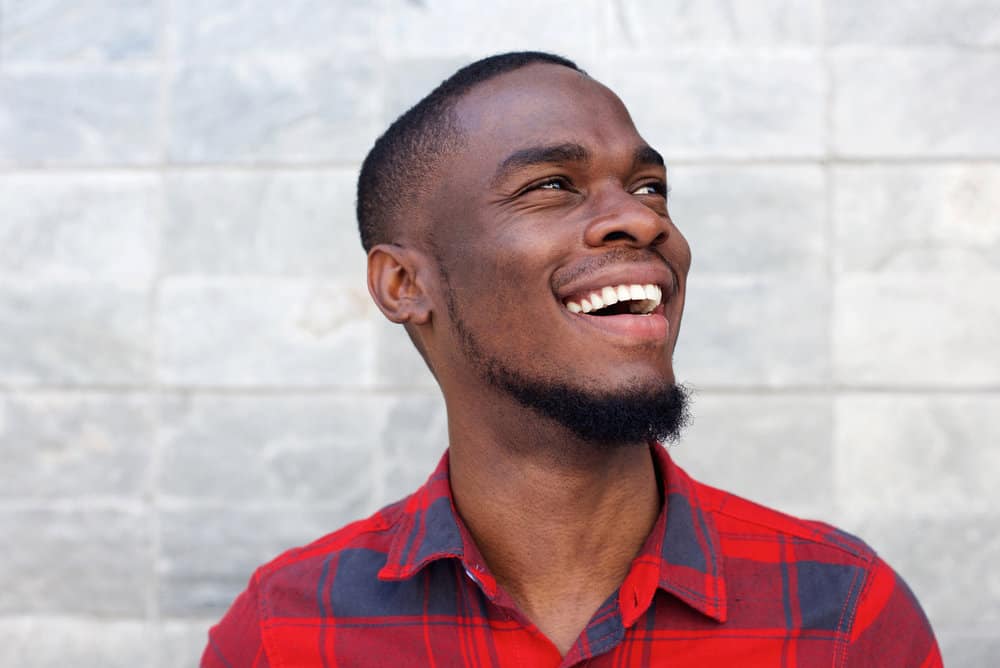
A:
(621, 299)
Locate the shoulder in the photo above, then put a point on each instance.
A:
(815, 568)
(830, 579)
(292, 585)
(293, 579)
(739, 520)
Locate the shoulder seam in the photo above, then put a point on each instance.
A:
(865, 589)
(865, 555)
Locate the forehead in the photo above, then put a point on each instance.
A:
(543, 104)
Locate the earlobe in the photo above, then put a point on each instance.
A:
(395, 283)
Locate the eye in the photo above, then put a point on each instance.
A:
(652, 188)
(555, 183)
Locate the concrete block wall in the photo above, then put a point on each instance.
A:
(192, 378)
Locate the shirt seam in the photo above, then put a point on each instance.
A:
(713, 545)
(865, 590)
(262, 614)
(865, 556)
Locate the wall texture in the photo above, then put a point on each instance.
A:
(192, 377)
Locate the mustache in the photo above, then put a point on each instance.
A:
(617, 255)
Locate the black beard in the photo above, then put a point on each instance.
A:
(630, 416)
(607, 421)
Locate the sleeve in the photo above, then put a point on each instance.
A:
(236, 642)
(890, 628)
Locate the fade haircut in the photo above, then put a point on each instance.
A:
(395, 170)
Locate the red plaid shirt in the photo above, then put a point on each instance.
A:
(719, 582)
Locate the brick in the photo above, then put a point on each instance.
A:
(874, 113)
(88, 30)
(79, 332)
(751, 332)
(917, 454)
(413, 439)
(65, 562)
(917, 218)
(290, 448)
(182, 642)
(265, 332)
(899, 330)
(974, 23)
(222, 29)
(89, 226)
(752, 220)
(76, 445)
(731, 436)
(284, 223)
(724, 105)
(280, 110)
(649, 24)
(948, 564)
(209, 554)
(474, 30)
(78, 117)
(51, 642)
(408, 81)
(968, 650)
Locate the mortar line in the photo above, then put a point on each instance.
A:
(829, 230)
(156, 526)
(182, 389)
(353, 166)
(159, 167)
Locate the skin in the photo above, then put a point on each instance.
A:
(556, 519)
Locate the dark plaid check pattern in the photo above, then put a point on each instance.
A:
(719, 582)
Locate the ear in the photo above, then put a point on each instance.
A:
(396, 283)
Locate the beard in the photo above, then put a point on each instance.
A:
(630, 416)
(638, 413)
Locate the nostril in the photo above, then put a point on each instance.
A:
(660, 238)
(618, 235)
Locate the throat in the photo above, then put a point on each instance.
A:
(562, 616)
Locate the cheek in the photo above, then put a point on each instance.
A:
(678, 251)
(515, 263)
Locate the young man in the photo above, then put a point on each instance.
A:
(516, 224)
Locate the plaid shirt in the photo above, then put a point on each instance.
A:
(719, 582)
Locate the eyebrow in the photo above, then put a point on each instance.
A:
(540, 155)
(647, 155)
(533, 156)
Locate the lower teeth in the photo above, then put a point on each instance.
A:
(640, 308)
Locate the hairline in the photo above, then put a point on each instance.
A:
(432, 120)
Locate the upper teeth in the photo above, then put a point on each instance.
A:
(644, 298)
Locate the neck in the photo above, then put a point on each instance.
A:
(557, 520)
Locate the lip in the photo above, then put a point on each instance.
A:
(621, 274)
(626, 328)
(652, 328)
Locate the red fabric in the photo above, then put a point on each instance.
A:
(719, 582)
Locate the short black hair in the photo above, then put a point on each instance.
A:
(394, 170)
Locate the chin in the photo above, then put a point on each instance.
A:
(609, 415)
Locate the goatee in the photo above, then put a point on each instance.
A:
(631, 415)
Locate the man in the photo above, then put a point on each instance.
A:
(516, 225)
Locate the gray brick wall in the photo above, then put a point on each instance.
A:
(192, 378)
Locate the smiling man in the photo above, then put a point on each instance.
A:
(516, 225)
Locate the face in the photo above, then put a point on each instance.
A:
(562, 272)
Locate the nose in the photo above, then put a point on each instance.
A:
(623, 219)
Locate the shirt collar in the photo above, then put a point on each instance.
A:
(681, 556)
